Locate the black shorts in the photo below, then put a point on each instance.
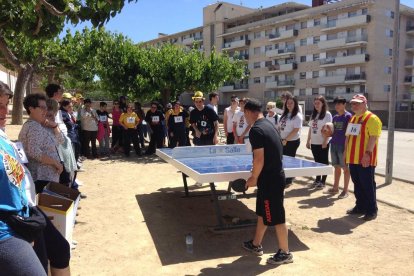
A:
(270, 194)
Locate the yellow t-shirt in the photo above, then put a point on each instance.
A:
(371, 125)
(129, 120)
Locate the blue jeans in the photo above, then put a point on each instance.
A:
(365, 188)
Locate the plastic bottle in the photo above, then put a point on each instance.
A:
(189, 243)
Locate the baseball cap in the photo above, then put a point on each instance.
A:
(67, 95)
(198, 95)
(358, 98)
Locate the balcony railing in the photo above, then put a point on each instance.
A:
(236, 44)
(354, 77)
(241, 86)
(410, 28)
(408, 79)
(409, 45)
(330, 60)
(409, 62)
(345, 60)
(342, 42)
(286, 83)
(240, 57)
(282, 67)
(283, 35)
(347, 22)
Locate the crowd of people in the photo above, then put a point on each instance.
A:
(63, 129)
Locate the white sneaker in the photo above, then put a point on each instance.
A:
(80, 183)
(198, 184)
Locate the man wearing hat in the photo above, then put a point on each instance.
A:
(361, 148)
(204, 122)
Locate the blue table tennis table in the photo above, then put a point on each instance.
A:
(225, 163)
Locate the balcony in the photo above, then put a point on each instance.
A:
(409, 46)
(345, 42)
(278, 68)
(281, 53)
(344, 60)
(242, 57)
(191, 40)
(286, 83)
(236, 44)
(355, 78)
(346, 23)
(238, 87)
(409, 63)
(271, 85)
(410, 30)
(409, 80)
(407, 96)
(283, 35)
(331, 80)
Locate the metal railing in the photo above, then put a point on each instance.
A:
(351, 77)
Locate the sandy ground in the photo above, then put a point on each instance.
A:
(135, 219)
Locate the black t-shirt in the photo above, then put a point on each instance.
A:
(176, 123)
(264, 135)
(204, 119)
(155, 119)
(103, 116)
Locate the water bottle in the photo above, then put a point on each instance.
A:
(189, 243)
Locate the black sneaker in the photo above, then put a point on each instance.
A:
(280, 258)
(369, 217)
(249, 246)
(320, 186)
(354, 211)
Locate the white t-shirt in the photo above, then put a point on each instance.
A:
(273, 119)
(241, 123)
(61, 124)
(230, 115)
(286, 125)
(316, 127)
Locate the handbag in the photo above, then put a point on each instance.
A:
(28, 228)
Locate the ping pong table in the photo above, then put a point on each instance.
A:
(225, 163)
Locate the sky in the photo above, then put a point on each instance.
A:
(143, 20)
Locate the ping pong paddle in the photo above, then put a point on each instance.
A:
(239, 185)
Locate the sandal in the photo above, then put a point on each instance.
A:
(343, 195)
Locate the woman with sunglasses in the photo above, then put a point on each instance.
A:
(317, 142)
(155, 119)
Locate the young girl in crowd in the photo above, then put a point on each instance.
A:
(290, 126)
(317, 142)
(103, 129)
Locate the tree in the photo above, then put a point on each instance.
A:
(36, 22)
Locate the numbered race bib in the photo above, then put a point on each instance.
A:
(102, 118)
(353, 129)
(21, 155)
(203, 123)
(155, 119)
(178, 119)
(130, 120)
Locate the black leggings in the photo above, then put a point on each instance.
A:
(321, 156)
(18, 258)
(52, 246)
(290, 150)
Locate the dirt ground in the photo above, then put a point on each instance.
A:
(135, 219)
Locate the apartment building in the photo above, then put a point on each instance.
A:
(331, 49)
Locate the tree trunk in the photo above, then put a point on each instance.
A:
(23, 77)
(166, 96)
(29, 85)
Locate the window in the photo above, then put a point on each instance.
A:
(365, 11)
(302, 92)
(317, 22)
(315, 74)
(268, 48)
(303, 42)
(390, 14)
(256, 65)
(267, 33)
(349, 90)
(302, 75)
(268, 63)
(256, 80)
(387, 70)
(315, 91)
(315, 57)
(268, 79)
(387, 88)
(290, 27)
(316, 39)
(256, 50)
(257, 35)
(303, 25)
(303, 59)
(389, 33)
(388, 52)
(352, 14)
(331, 36)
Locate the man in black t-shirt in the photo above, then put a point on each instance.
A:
(204, 121)
(155, 119)
(269, 177)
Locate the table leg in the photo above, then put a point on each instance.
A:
(216, 205)
(185, 184)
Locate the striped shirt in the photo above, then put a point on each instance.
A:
(371, 125)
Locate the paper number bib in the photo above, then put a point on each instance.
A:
(102, 118)
(203, 123)
(353, 129)
(130, 120)
(155, 119)
(178, 119)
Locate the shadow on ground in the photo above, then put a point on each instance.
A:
(339, 226)
(169, 217)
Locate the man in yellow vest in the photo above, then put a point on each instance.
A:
(361, 153)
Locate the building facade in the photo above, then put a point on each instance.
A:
(332, 49)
